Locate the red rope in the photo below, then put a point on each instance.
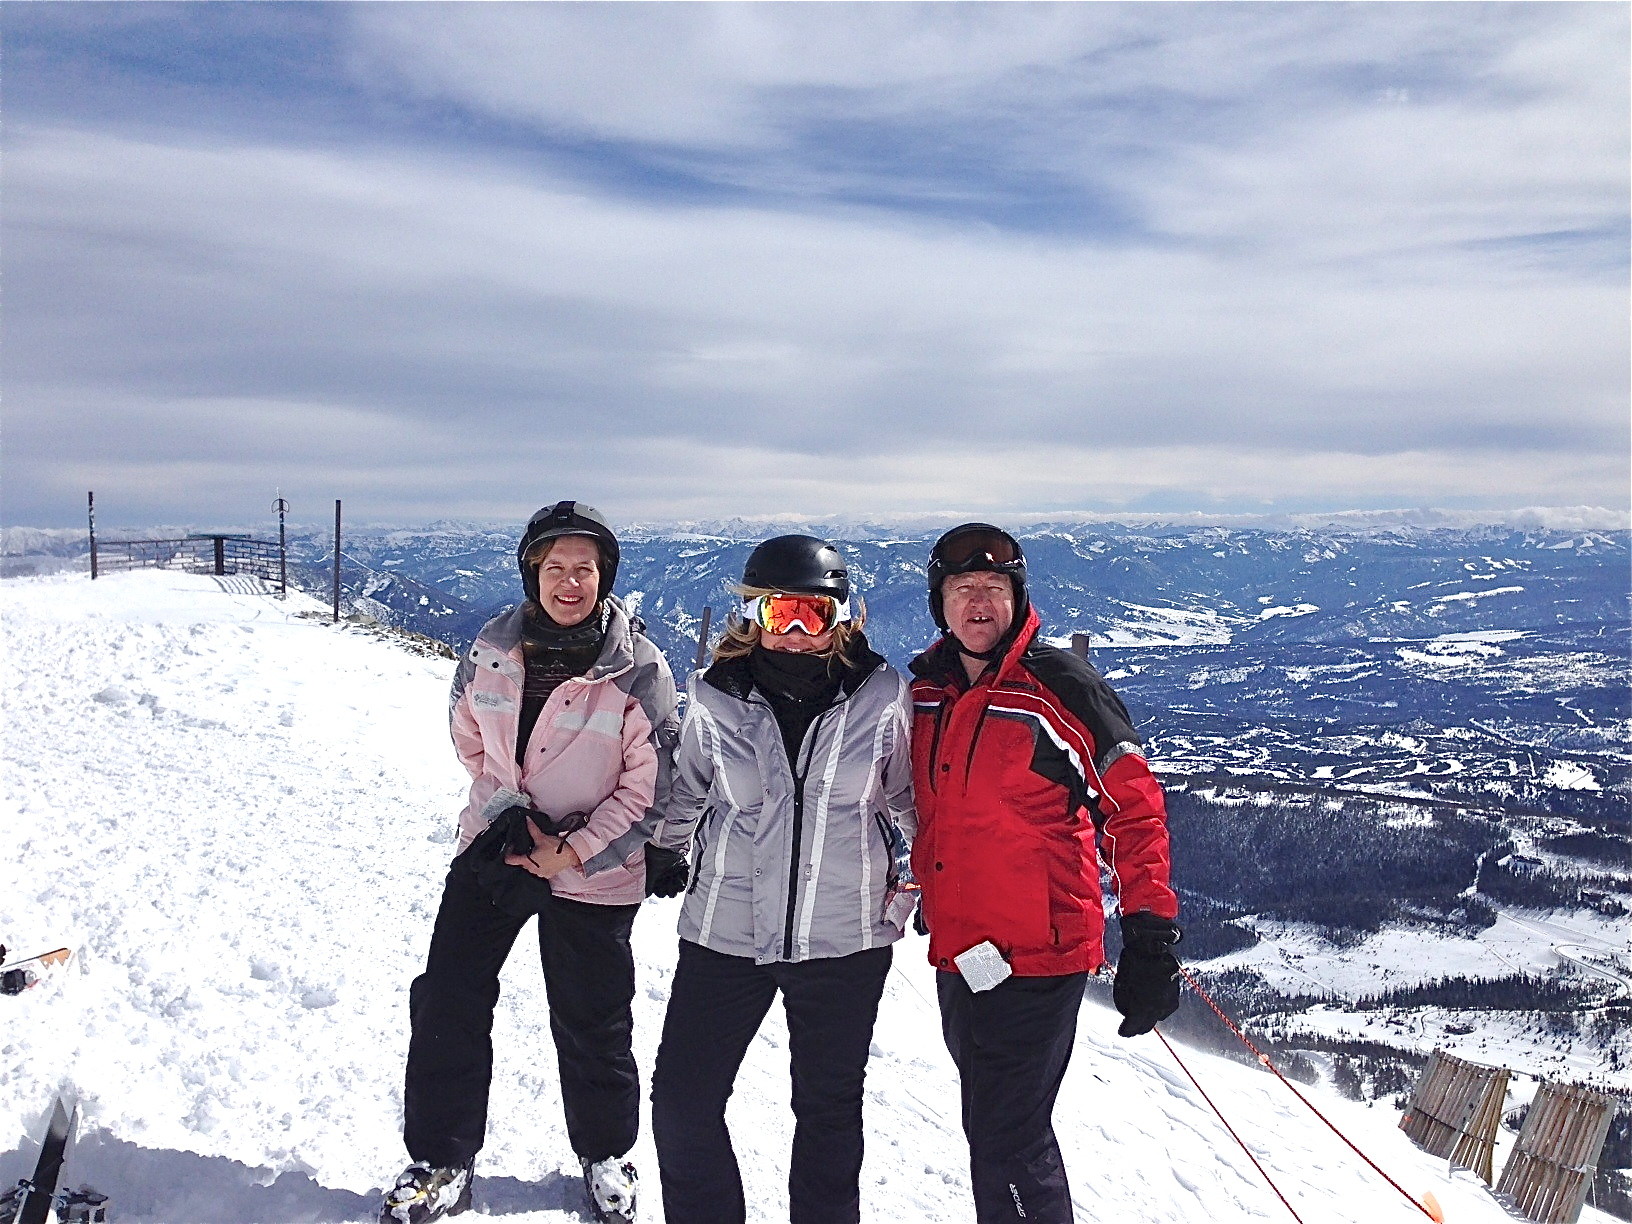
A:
(1265, 1060)
(1229, 1128)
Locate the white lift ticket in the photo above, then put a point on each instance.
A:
(982, 966)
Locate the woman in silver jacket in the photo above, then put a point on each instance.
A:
(793, 792)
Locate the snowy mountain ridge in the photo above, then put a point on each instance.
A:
(22, 539)
(241, 815)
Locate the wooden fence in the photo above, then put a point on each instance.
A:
(1455, 1111)
(1551, 1168)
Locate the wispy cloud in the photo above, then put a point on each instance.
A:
(721, 259)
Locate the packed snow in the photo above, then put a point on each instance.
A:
(240, 814)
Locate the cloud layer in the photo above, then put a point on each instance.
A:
(709, 260)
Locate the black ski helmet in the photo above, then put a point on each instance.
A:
(563, 519)
(800, 565)
(977, 548)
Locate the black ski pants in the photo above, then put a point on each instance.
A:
(1011, 1045)
(716, 1006)
(589, 979)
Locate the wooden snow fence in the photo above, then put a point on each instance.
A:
(1550, 1170)
(1455, 1110)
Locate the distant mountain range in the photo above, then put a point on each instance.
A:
(1453, 662)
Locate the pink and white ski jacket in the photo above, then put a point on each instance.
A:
(603, 744)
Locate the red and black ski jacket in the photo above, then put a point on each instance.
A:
(1018, 779)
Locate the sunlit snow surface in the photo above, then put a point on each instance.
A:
(242, 816)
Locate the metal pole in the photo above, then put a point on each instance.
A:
(702, 638)
(220, 555)
(1079, 645)
(282, 508)
(336, 560)
(90, 505)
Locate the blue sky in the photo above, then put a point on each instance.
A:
(682, 261)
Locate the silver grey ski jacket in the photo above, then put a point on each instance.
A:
(790, 861)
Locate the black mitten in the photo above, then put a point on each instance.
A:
(667, 871)
(1146, 990)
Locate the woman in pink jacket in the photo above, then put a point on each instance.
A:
(564, 714)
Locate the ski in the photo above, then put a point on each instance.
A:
(21, 975)
(33, 1201)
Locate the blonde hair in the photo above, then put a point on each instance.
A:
(741, 636)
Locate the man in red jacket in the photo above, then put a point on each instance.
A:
(1027, 772)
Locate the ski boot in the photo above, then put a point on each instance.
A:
(423, 1194)
(610, 1185)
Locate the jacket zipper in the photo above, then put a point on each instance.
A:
(798, 833)
(890, 878)
(799, 813)
(935, 740)
(699, 847)
(974, 738)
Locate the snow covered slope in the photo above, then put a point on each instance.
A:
(242, 815)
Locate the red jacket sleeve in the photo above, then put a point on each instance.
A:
(1133, 838)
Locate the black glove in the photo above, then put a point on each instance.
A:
(667, 871)
(523, 826)
(516, 822)
(515, 890)
(1146, 990)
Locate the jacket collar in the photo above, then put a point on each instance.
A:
(942, 665)
(733, 678)
(617, 647)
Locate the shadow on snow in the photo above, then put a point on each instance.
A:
(149, 1186)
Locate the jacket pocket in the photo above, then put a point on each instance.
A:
(1018, 894)
(699, 847)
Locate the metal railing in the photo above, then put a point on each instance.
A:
(200, 554)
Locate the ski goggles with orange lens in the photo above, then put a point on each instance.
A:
(783, 613)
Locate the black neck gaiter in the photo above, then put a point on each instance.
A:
(554, 654)
(798, 688)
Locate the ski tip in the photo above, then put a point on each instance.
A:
(1430, 1204)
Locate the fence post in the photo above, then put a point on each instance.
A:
(702, 638)
(1079, 645)
(90, 507)
(282, 508)
(336, 561)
